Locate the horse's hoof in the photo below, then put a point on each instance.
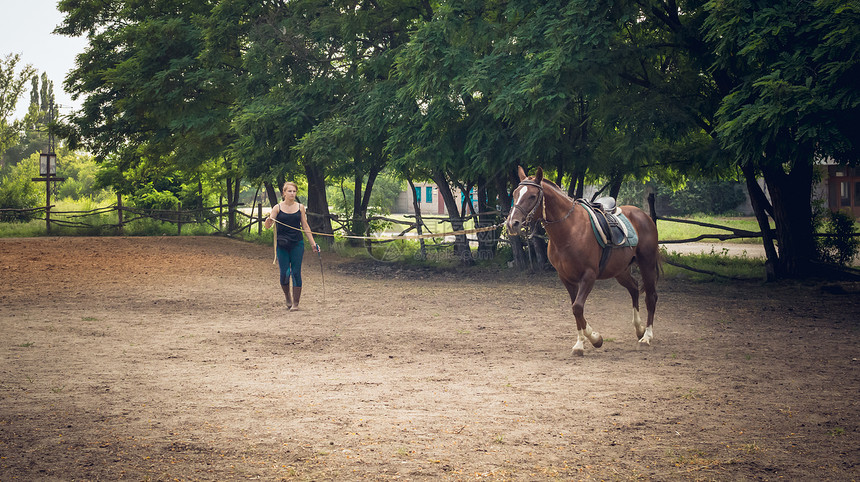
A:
(644, 342)
(598, 343)
(577, 352)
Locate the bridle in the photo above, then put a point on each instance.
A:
(528, 215)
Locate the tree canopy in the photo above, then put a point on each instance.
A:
(461, 92)
(12, 85)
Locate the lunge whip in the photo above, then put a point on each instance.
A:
(322, 274)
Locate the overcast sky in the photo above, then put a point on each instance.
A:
(25, 29)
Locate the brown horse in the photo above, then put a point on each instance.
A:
(575, 253)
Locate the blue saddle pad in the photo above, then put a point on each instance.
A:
(631, 240)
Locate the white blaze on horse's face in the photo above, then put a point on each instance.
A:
(519, 192)
(514, 227)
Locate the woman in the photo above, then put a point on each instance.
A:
(289, 244)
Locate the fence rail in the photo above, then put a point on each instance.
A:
(212, 216)
(127, 215)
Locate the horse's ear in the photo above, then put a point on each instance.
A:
(521, 172)
(539, 175)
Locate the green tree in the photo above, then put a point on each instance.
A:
(154, 105)
(443, 130)
(11, 87)
(796, 101)
(316, 94)
(79, 170)
(34, 133)
(284, 91)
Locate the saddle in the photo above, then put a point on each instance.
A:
(611, 228)
(604, 213)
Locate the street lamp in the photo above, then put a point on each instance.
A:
(47, 164)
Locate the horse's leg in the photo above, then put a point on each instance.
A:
(573, 291)
(649, 281)
(627, 280)
(578, 294)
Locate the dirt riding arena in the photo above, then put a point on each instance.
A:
(174, 358)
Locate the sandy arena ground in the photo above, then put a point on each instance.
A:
(174, 358)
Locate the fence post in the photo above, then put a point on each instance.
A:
(179, 219)
(119, 213)
(260, 216)
(220, 213)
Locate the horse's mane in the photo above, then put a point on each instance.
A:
(557, 189)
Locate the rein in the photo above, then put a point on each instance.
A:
(421, 236)
(413, 236)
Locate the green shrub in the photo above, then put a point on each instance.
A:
(17, 189)
(695, 197)
(839, 246)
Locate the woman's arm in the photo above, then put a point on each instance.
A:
(270, 221)
(307, 229)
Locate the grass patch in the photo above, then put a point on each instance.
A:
(691, 394)
(670, 230)
(691, 457)
(750, 448)
(713, 266)
(434, 225)
(25, 229)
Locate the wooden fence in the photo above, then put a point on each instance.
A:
(212, 216)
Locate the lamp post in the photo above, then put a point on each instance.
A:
(48, 172)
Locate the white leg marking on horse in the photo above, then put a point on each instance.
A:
(647, 337)
(593, 336)
(579, 347)
(637, 324)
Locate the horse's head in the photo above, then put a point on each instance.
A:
(527, 197)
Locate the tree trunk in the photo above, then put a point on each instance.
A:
(521, 256)
(461, 244)
(419, 222)
(761, 206)
(791, 194)
(319, 218)
(271, 193)
(615, 185)
(358, 224)
(539, 247)
(505, 201)
(467, 198)
(577, 184)
(364, 204)
(486, 239)
(361, 202)
(232, 202)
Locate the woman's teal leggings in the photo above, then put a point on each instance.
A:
(290, 262)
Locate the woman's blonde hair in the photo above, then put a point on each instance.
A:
(289, 183)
